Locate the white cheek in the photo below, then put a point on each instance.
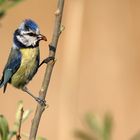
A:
(27, 40)
(22, 39)
(32, 40)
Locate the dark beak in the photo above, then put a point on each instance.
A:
(42, 37)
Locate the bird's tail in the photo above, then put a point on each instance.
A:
(3, 84)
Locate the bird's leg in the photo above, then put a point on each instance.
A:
(39, 100)
(46, 60)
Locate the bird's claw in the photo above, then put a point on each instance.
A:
(48, 59)
(42, 102)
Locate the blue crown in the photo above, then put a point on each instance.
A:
(28, 23)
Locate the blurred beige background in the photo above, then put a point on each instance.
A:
(97, 69)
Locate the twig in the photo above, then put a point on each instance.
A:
(49, 68)
(18, 136)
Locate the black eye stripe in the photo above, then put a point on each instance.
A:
(31, 34)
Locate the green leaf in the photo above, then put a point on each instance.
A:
(26, 112)
(2, 1)
(107, 127)
(5, 5)
(18, 115)
(26, 115)
(18, 112)
(4, 128)
(93, 124)
(11, 134)
(2, 13)
(83, 135)
(41, 138)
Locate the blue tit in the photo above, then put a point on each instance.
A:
(23, 61)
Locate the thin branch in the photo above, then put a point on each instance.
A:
(18, 136)
(49, 68)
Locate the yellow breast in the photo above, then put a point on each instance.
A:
(28, 67)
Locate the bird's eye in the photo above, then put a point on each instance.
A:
(31, 34)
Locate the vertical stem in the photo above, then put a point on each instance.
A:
(49, 68)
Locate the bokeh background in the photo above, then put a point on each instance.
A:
(97, 68)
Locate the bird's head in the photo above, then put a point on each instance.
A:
(28, 34)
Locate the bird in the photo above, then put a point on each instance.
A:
(24, 58)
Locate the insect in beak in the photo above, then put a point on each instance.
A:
(42, 37)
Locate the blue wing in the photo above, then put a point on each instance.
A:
(11, 67)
